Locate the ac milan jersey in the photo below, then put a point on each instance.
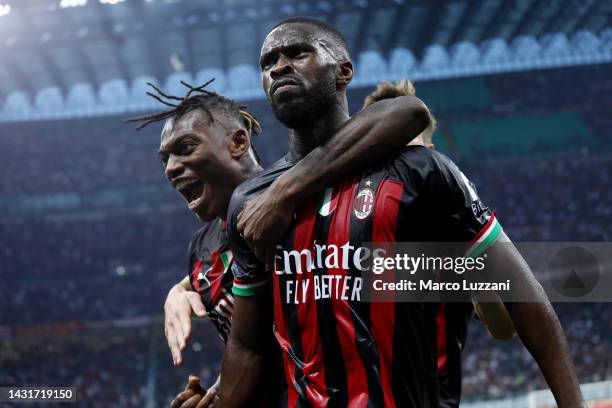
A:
(209, 260)
(452, 322)
(339, 350)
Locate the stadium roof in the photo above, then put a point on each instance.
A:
(57, 44)
(46, 44)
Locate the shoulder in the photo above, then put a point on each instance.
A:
(423, 163)
(414, 164)
(255, 185)
(204, 235)
(264, 178)
(424, 157)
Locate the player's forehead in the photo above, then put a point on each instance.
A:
(289, 35)
(189, 123)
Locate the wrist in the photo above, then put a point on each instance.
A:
(186, 284)
(285, 192)
(179, 288)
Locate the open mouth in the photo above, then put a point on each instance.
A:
(191, 189)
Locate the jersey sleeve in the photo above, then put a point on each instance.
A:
(467, 218)
(250, 276)
(191, 257)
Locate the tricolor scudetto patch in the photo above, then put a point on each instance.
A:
(328, 204)
(226, 258)
(485, 239)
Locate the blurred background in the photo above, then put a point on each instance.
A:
(92, 236)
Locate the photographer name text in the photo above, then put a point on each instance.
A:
(434, 286)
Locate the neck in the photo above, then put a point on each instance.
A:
(304, 139)
(246, 168)
(256, 168)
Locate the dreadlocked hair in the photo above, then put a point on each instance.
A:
(388, 90)
(197, 98)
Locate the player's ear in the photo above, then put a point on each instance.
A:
(239, 143)
(344, 74)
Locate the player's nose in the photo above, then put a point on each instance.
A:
(174, 168)
(282, 67)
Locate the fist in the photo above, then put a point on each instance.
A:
(194, 396)
(263, 222)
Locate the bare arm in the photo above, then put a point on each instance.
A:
(246, 361)
(493, 313)
(537, 325)
(371, 135)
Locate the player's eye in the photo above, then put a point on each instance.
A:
(295, 52)
(267, 62)
(164, 160)
(186, 148)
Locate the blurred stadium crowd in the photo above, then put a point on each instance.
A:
(494, 369)
(93, 233)
(110, 370)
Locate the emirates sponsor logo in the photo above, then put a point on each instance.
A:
(364, 203)
(347, 257)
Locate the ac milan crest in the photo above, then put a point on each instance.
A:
(364, 203)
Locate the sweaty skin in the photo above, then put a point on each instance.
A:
(284, 56)
(300, 59)
(371, 135)
(367, 138)
(212, 159)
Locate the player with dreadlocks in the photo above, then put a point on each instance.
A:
(206, 152)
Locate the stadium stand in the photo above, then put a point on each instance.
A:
(97, 237)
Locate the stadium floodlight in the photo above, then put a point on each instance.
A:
(72, 3)
(121, 270)
(111, 2)
(4, 9)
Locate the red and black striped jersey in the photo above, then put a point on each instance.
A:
(452, 322)
(339, 350)
(209, 260)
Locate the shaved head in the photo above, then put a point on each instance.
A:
(328, 34)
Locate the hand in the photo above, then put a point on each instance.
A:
(194, 396)
(264, 220)
(180, 305)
